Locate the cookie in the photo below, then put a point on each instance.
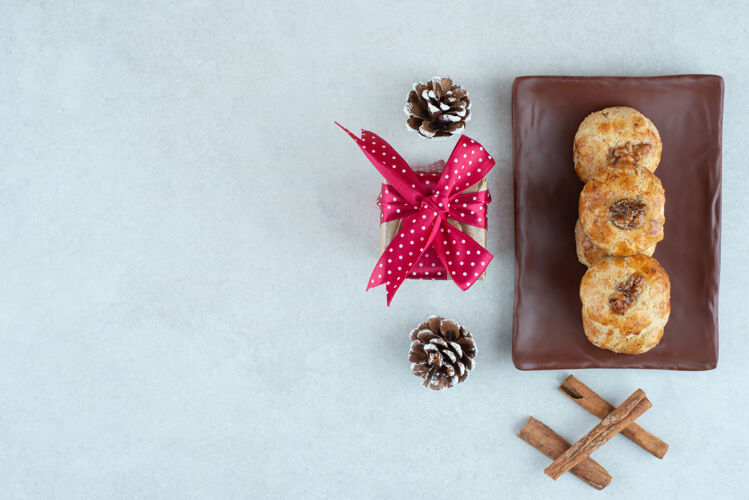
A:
(613, 137)
(621, 210)
(588, 253)
(626, 303)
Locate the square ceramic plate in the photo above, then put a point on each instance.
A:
(546, 111)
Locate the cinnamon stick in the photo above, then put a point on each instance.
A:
(595, 404)
(551, 444)
(612, 424)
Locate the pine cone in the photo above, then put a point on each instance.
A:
(438, 108)
(442, 352)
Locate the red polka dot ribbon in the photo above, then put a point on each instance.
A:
(425, 208)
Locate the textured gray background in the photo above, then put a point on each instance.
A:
(186, 240)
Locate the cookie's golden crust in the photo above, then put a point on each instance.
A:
(588, 253)
(640, 326)
(606, 338)
(602, 196)
(602, 132)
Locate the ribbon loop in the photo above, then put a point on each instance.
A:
(425, 213)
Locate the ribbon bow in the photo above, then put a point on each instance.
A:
(425, 210)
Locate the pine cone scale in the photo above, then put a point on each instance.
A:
(415, 356)
(438, 341)
(451, 355)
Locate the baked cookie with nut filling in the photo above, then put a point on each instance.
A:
(588, 253)
(626, 303)
(622, 210)
(613, 137)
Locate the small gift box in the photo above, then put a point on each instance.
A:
(433, 221)
(429, 266)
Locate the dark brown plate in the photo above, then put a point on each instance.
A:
(546, 111)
